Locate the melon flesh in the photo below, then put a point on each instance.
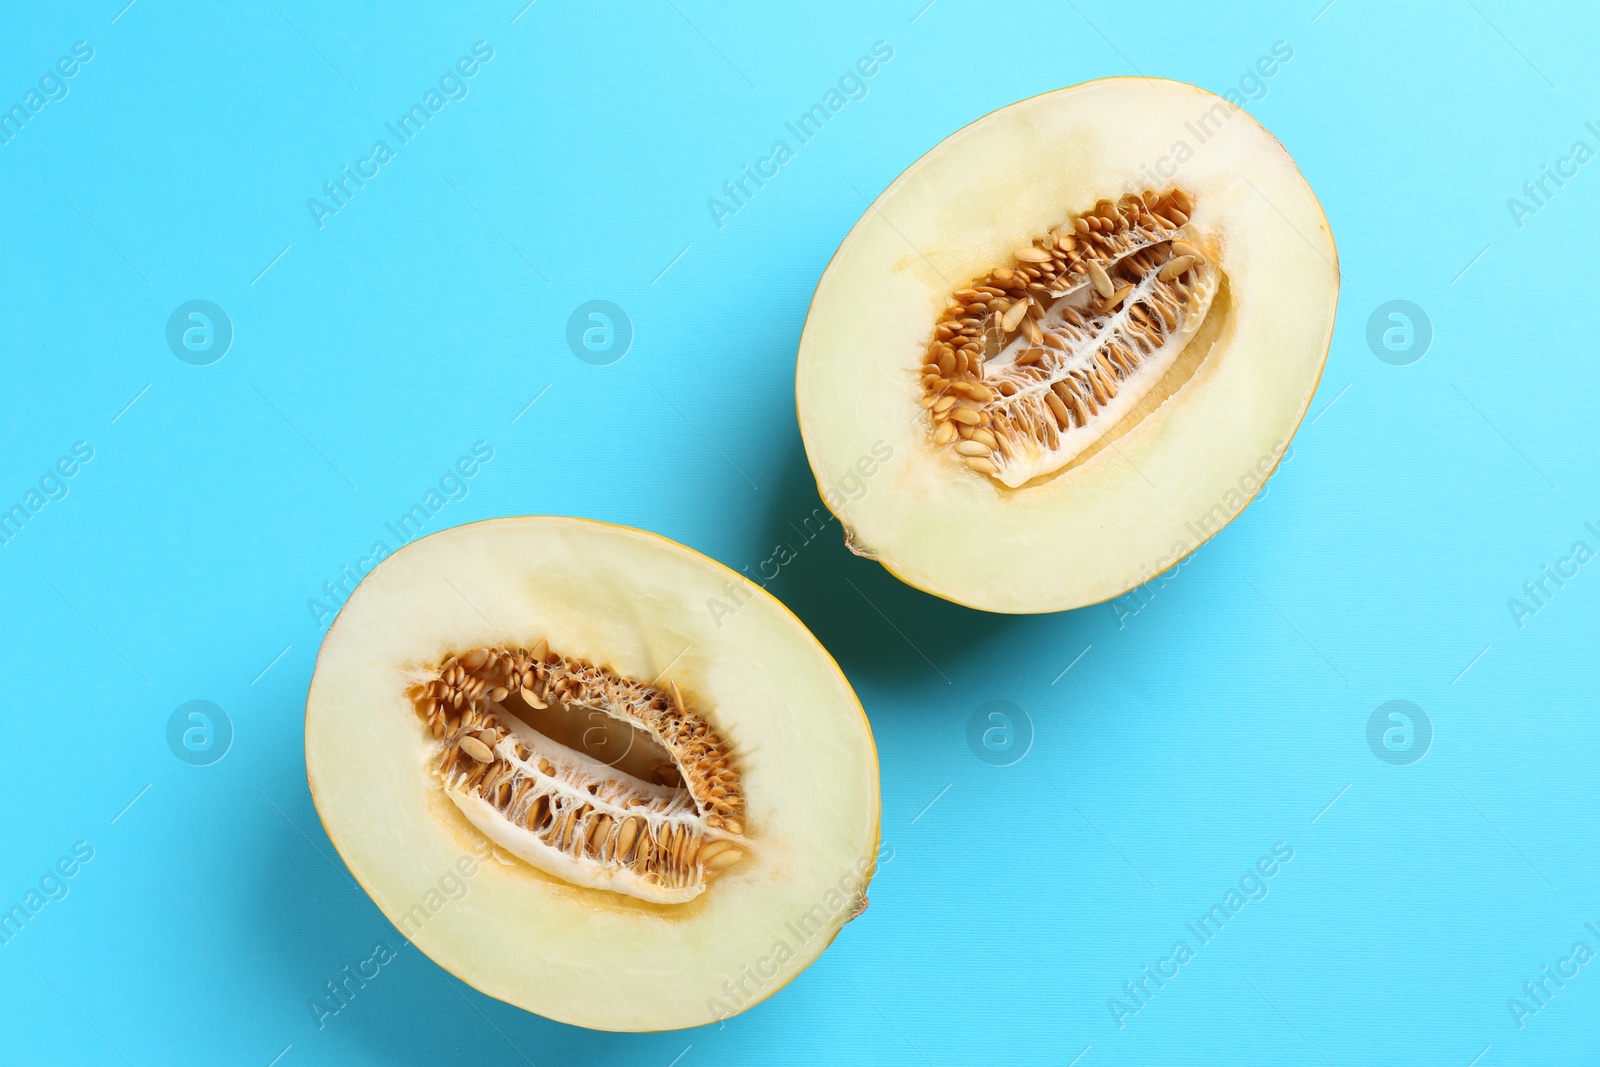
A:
(1172, 468)
(646, 608)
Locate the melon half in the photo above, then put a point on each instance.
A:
(1085, 326)
(591, 772)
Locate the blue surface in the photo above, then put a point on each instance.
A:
(1221, 713)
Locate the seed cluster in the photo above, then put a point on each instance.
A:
(1092, 311)
(659, 838)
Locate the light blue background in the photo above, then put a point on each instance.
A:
(1223, 711)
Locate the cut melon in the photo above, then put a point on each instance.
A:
(1086, 326)
(591, 772)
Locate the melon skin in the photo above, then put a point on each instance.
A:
(1186, 464)
(639, 604)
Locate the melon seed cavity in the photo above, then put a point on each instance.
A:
(1032, 363)
(596, 779)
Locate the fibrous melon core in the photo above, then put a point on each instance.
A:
(1033, 362)
(597, 779)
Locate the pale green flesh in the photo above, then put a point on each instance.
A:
(641, 605)
(1125, 513)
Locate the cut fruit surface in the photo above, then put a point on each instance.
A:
(1086, 325)
(572, 783)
